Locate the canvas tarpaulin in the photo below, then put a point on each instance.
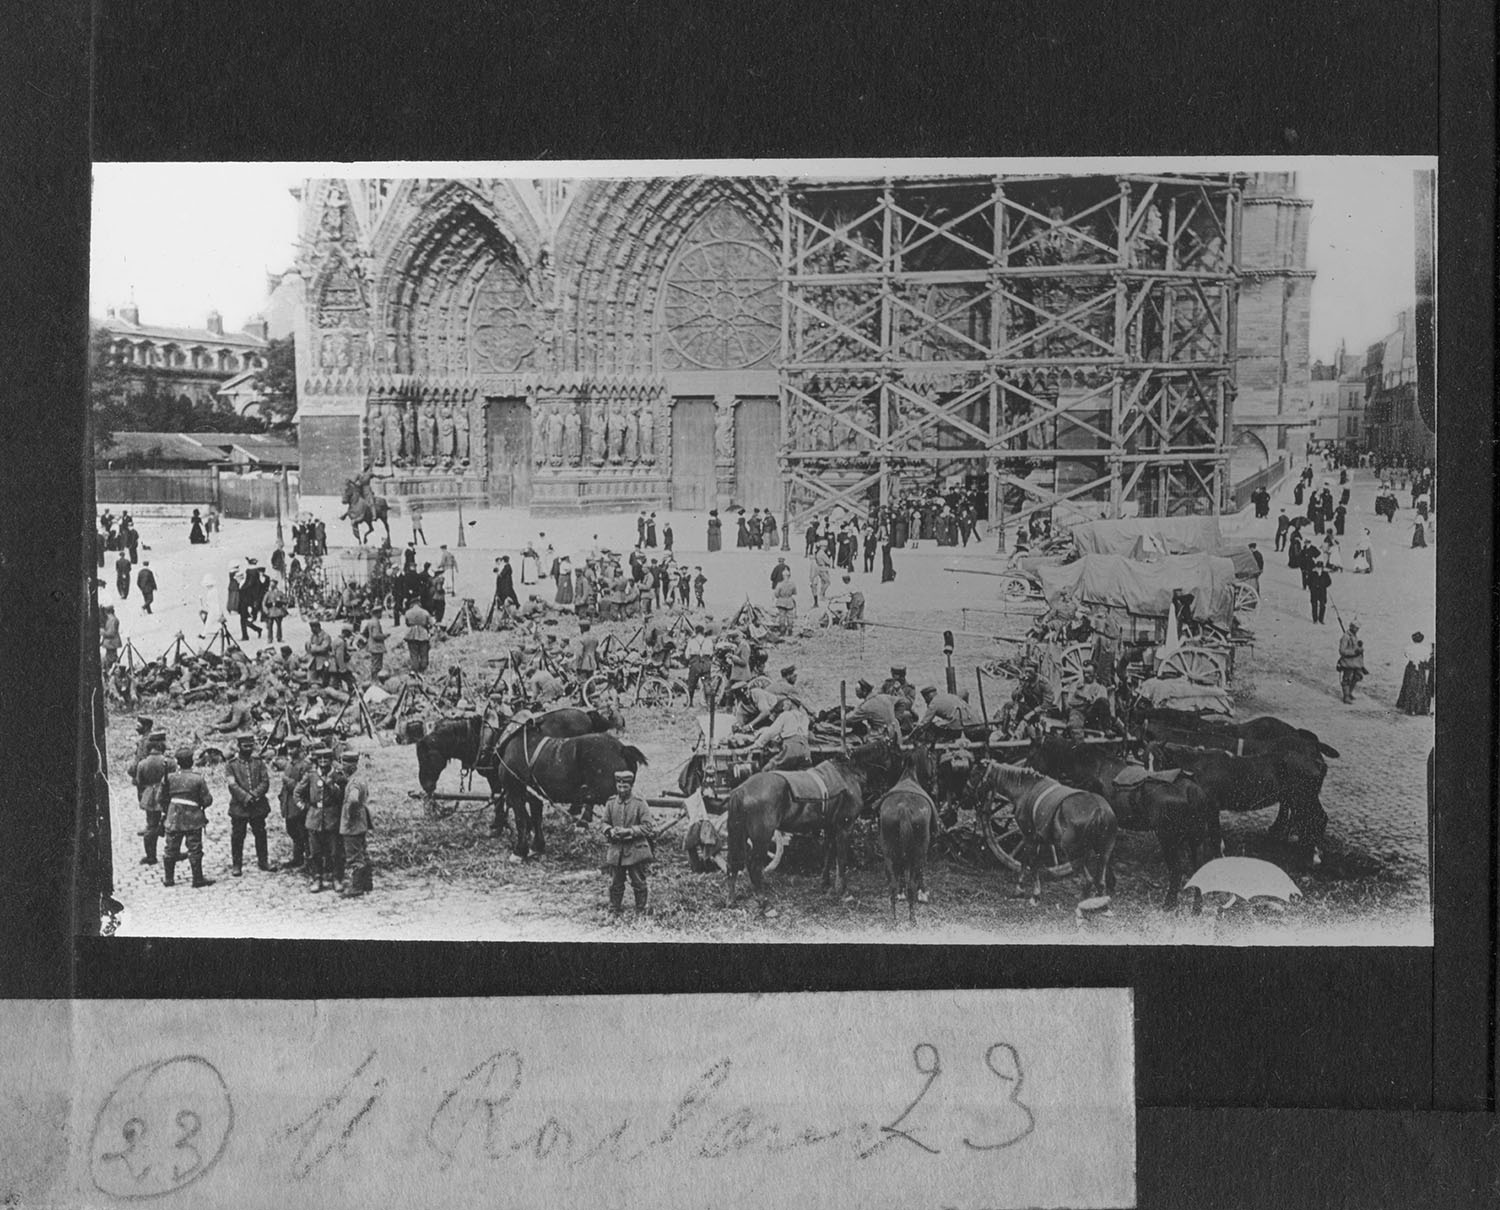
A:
(1138, 536)
(1145, 589)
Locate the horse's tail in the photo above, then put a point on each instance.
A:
(634, 757)
(738, 833)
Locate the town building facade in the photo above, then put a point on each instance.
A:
(191, 364)
(1110, 344)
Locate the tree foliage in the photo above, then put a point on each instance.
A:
(277, 383)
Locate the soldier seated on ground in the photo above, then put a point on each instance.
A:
(236, 718)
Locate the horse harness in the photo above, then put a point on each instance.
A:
(1048, 799)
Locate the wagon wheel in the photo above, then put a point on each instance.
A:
(1073, 661)
(1003, 836)
(1201, 665)
(679, 692)
(596, 689)
(656, 692)
(1015, 588)
(1246, 597)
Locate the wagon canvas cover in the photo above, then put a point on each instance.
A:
(1146, 536)
(1146, 589)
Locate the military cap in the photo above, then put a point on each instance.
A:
(243, 740)
(625, 775)
(789, 671)
(350, 757)
(865, 685)
(294, 741)
(929, 691)
(143, 721)
(162, 735)
(183, 756)
(323, 750)
(898, 669)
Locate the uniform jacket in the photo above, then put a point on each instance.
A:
(146, 581)
(290, 777)
(339, 654)
(249, 783)
(951, 709)
(276, 602)
(878, 710)
(149, 775)
(628, 812)
(187, 800)
(588, 653)
(318, 649)
(374, 634)
(354, 813)
(323, 796)
(418, 625)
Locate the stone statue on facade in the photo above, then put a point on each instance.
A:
(461, 431)
(408, 432)
(616, 443)
(539, 422)
(648, 432)
(391, 418)
(596, 431)
(375, 426)
(631, 451)
(724, 430)
(572, 436)
(445, 432)
(427, 432)
(555, 436)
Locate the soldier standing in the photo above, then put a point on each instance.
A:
(627, 827)
(145, 580)
(249, 783)
(293, 811)
(354, 827)
(319, 796)
(149, 772)
(187, 801)
(374, 636)
(122, 575)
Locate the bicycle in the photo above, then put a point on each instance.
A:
(633, 680)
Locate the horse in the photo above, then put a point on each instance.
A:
(906, 813)
(826, 799)
(472, 740)
(1078, 822)
(363, 507)
(1289, 777)
(1180, 813)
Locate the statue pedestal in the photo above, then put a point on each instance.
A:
(355, 563)
(562, 491)
(437, 488)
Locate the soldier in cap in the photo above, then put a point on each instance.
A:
(354, 826)
(896, 685)
(236, 717)
(148, 773)
(319, 794)
(249, 783)
(877, 711)
(143, 727)
(627, 828)
(293, 810)
(187, 801)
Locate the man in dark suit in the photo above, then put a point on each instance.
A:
(1318, 582)
(1283, 527)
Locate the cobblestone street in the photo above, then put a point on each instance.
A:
(1375, 793)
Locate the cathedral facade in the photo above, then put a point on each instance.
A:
(579, 345)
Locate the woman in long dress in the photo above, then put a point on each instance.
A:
(715, 530)
(887, 568)
(530, 565)
(742, 539)
(195, 533)
(1415, 697)
(564, 578)
(1418, 534)
(1332, 554)
(1363, 560)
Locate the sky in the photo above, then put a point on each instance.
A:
(185, 239)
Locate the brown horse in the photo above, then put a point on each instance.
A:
(906, 814)
(1181, 814)
(1080, 823)
(825, 800)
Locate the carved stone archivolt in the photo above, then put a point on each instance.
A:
(721, 303)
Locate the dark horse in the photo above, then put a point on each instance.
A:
(825, 800)
(1301, 758)
(542, 757)
(1180, 813)
(363, 507)
(906, 813)
(1287, 777)
(1080, 823)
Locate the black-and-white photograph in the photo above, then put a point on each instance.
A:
(952, 551)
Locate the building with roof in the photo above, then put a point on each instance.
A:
(191, 364)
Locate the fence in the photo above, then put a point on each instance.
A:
(181, 486)
(1267, 478)
(239, 496)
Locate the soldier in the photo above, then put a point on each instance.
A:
(897, 686)
(700, 654)
(187, 801)
(319, 801)
(418, 636)
(249, 784)
(700, 581)
(318, 647)
(374, 635)
(946, 711)
(293, 811)
(143, 728)
(789, 732)
(149, 773)
(876, 710)
(354, 827)
(627, 828)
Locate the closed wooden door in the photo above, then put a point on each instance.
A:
(509, 428)
(694, 488)
(757, 438)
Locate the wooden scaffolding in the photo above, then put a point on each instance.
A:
(1067, 340)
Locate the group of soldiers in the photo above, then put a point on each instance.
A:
(325, 809)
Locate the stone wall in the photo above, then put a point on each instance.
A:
(329, 447)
